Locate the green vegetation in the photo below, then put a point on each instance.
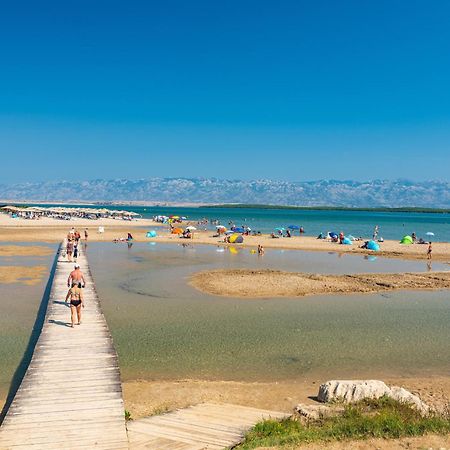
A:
(128, 415)
(330, 208)
(383, 418)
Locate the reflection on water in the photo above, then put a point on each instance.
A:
(164, 329)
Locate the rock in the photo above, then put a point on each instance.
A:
(404, 396)
(350, 391)
(314, 412)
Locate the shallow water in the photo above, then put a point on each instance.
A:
(19, 305)
(165, 329)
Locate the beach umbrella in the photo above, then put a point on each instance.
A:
(220, 227)
(294, 227)
(190, 228)
(236, 239)
(429, 233)
(238, 230)
(280, 229)
(177, 231)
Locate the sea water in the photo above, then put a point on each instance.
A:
(164, 329)
(392, 225)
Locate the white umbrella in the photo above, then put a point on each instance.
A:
(429, 233)
(191, 228)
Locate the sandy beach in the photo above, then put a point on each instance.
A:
(148, 397)
(51, 230)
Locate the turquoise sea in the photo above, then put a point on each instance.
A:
(392, 225)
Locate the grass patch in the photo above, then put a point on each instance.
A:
(382, 418)
(128, 416)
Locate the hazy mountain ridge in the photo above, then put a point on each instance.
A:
(349, 193)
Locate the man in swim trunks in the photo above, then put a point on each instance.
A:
(76, 303)
(77, 277)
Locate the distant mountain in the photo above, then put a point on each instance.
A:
(376, 193)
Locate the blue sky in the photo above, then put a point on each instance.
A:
(290, 90)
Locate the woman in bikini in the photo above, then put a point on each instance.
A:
(76, 302)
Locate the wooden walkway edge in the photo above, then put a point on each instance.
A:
(201, 427)
(71, 395)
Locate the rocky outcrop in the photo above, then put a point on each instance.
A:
(350, 391)
(315, 412)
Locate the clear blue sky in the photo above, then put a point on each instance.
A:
(294, 90)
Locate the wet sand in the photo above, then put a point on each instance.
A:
(29, 250)
(144, 398)
(50, 230)
(29, 275)
(245, 283)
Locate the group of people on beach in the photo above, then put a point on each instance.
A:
(72, 244)
(75, 281)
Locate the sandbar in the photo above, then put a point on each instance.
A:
(247, 283)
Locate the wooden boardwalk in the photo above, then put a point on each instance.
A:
(200, 427)
(71, 396)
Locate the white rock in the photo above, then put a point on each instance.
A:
(351, 391)
(404, 396)
(315, 412)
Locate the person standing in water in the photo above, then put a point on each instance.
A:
(86, 234)
(430, 249)
(76, 303)
(375, 233)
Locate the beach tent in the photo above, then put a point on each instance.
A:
(151, 234)
(406, 240)
(372, 245)
(236, 239)
(346, 241)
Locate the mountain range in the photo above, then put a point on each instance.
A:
(375, 193)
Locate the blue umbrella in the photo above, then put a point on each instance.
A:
(238, 230)
(294, 227)
(279, 229)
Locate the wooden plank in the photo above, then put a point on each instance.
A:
(71, 396)
(204, 426)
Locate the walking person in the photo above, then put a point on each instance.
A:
(86, 234)
(69, 250)
(77, 277)
(375, 233)
(75, 251)
(76, 303)
(429, 251)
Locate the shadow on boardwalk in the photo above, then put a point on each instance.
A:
(28, 354)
